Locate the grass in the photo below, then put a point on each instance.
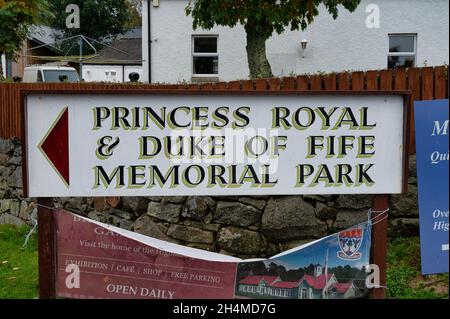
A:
(404, 279)
(19, 268)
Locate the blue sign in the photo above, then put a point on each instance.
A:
(431, 123)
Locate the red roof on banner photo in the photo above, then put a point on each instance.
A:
(255, 280)
(341, 288)
(318, 282)
(273, 281)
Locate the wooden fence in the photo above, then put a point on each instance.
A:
(426, 83)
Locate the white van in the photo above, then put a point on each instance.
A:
(49, 73)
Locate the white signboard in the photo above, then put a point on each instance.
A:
(173, 144)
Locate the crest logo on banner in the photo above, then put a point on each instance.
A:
(350, 242)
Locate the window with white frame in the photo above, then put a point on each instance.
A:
(205, 57)
(402, 50)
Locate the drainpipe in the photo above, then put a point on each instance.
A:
(149, 26)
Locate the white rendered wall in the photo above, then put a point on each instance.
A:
(133, 69)
(145, 41)
(104, 73)
(334, 45)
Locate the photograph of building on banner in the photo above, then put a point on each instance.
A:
(334, 267)
(96, 260)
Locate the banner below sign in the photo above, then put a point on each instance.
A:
(96, 260)
(431, 119)
(157, 144)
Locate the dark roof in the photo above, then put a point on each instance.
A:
(132, 34)
(43, 35)
(121, 51)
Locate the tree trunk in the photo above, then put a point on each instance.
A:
(258, 64)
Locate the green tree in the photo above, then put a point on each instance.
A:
(16, 16)
(99, 20)
(136, 9)
(135, 20)
(261, 18)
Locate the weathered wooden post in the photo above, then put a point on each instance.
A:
(47, 248)
(380, 206)
(46, 221)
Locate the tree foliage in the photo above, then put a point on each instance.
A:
(99, 20)
(267, 15)
(261, 18)
(16, 16)
(135, 8)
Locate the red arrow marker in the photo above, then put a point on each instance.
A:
(55, 145)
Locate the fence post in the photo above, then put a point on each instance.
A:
(380, 205)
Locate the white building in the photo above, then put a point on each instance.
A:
(369, 38)
(117, 61)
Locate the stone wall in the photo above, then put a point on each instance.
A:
(257, 226)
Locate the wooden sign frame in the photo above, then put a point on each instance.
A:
(46, 220)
